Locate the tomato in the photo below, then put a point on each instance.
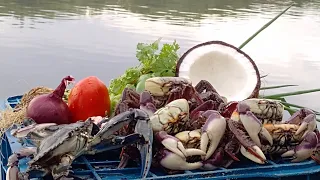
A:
(89, 97)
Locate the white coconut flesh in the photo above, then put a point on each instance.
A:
(230, 72)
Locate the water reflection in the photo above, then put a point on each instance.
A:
(174, 10)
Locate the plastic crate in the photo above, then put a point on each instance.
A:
(99, 167)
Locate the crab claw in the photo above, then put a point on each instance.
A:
(249, 148)
(211, 133)
(251, 123)
(13, 161)
(13, 170)
(306, 118)
(144, 128)
(305, 149)
(171, 143)
(173, 161)
(254, 154)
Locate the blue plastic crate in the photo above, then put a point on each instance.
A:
(100, 167)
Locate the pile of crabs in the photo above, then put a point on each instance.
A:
(174, 126)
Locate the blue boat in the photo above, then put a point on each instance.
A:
(100, 167)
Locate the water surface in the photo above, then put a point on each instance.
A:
(42, 41)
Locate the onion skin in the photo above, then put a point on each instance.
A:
(50, 108)
(255, 92)
(89, 97)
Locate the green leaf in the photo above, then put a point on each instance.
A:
(291, 111)
(275, 96)
(298, 106)
(263, 27)
(275, 87)
(153, 61)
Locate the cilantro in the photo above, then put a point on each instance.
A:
(153, 62)
(162, 63)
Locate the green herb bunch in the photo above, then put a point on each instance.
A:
(153, 62)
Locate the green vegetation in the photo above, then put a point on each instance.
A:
(153, 62)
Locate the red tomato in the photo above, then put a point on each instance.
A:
(89, 97)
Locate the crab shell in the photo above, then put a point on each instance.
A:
(160, 86)
(69, 140)
(267, 110)
(172, 117)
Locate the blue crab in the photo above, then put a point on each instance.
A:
(58, 150)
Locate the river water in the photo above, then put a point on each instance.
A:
(42, 41)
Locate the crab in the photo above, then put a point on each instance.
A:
(267, 110)
(166, 89)
(174, 120)
(223, 146)
(57, 151)
(295, 138)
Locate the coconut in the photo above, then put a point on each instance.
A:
(231, 72)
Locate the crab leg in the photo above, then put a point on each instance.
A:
(129, 98)
(147, 104)
(207, 92)
(143, 129)
(115, 142)
(208, 105)
(232, 148)
(25, 131)
(113, 125)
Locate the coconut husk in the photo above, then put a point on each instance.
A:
(11, 116)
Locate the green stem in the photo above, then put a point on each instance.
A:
(291, 111)
(276, 96)
(297, 106)
(275, 87)
(263, 27)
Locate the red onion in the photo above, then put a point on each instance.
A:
(50, 108)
